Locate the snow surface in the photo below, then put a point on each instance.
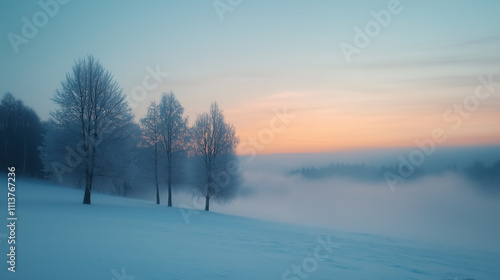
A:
(119, 238)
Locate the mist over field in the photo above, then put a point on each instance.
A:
(445, 209)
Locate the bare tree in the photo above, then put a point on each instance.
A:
(151, 134)
(92, 108)
(216, 165)
(173, 133)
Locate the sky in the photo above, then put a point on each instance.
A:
(280, 70)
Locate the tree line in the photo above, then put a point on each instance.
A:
(487, 176)
(21, 134)
(91, 141)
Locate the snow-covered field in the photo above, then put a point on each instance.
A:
(119, 238)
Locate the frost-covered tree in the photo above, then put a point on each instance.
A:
(116, 170)
(173, 134)
(92, 115)
(151, 134)
(61, 161)
(216, 167)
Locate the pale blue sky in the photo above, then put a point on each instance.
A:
(264, 55)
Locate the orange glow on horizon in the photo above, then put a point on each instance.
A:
(331, 129)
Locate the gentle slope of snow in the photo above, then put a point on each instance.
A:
(60, 238)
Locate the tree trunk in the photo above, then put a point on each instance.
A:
(169, 183)
(88, 187)
(207, 203)
(156, 175)
(157, 194)
(209, 193)
(90, 177)
(86, 197)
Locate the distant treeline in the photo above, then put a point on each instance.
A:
(477, 172)
(20, 136)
